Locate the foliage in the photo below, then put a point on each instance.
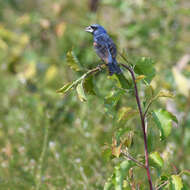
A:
(50, 141)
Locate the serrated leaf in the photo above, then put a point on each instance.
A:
(163, 120)
(157, 159)
(144, 66)
(80, 92)
(65, 88)
(126, 113)
(89, 85)
(72, 61)
(177, 183)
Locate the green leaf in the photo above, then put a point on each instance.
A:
(186, 172)
(123, 81)
(157, 159)
(177, 183)
(111, 101)
(89, 85)
(80, 92)
(108, 185)
(72, 61)
(121, 171)
(144, 66)
(65, 88)
(163, 120)
(126, 113)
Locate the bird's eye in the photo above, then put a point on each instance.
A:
(94, 27)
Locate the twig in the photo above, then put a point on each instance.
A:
(142, 124)
(133, 159)
(163, 184)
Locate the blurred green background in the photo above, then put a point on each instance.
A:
(48, 141)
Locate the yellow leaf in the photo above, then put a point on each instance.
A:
(140, 77)
(51, 73)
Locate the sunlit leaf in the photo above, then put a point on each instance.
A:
(65, 88)
(157, 159)
(177, 183)
(163, 120)
(121, 171)
(72, 61)
(108, 185)
(145, 66)
(80, 92)
(164, 93)
(140, 77)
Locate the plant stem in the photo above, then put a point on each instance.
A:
(133, 159)
(142, 124)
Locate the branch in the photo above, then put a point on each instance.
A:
(163, 184)
(142, 124)
(133, 159)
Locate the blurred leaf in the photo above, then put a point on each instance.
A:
(157, 159)
(140, 77)
(80, 92)
(107, 153)
(164, 93)
(177, 183)
(163, 120)
(123, 81)
(186, 172)
(65, 88)
(183, 84)
(51, 73)
(108, 185)
(72, 61)
(126, 113)
(121, 172)
(144, 66)
(88, 85)
(128, 139)
(111, 101)
(60, 29)
(29, 71)
(116, 149)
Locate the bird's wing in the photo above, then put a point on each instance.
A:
(105, 48)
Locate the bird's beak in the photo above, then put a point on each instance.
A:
(89, 29)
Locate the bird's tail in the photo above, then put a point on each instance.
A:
(114, 67)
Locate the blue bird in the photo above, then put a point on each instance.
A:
(104, 47)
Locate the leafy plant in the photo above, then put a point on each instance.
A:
(142, 71)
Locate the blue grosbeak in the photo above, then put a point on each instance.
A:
(104, 47)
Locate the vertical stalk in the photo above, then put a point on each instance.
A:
(142, 124)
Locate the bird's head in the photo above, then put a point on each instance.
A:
(95, 29)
